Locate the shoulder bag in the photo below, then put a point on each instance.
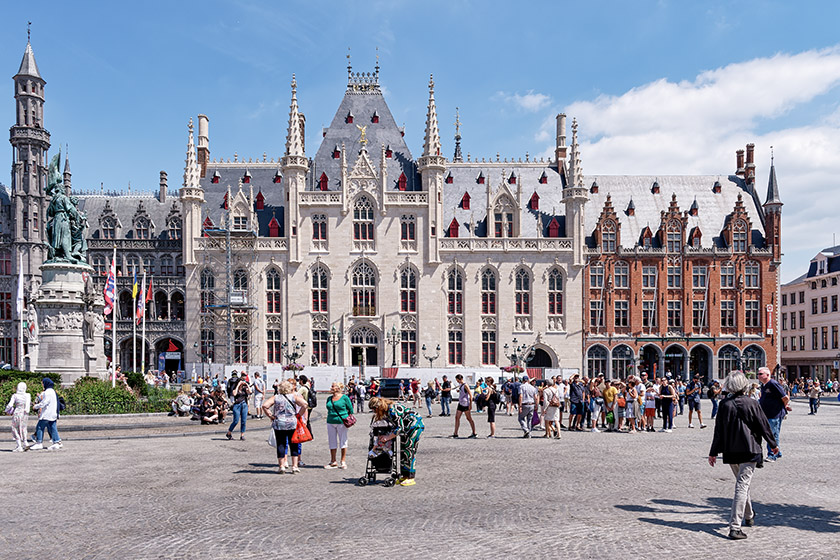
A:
(349, 421)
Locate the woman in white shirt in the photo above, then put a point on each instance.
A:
(551, 409)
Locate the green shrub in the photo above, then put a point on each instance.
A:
(135, 381)
(10, 378)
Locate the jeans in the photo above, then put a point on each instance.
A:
(51, 428)
(667, 414)
(714, 407)
(444, 404)
(526, 414)
(240, 412)
(429, 405)
(775, 426)
(682, 403)
(741, 504)
(813, 403)
(360, 404)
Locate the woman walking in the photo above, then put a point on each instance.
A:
(667, 396)
(493, 400)
(18, 407)
(239, 394)
(410, 427)
(739, 428)
(464, 406)
(551, 409)
(284, 409)
(339, 409)
(429, 394)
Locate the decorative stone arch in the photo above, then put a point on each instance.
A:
(555, 360)
(620, 354)
(365, 341)
(727, 357)
(348, 273)
(597, 360)
(650, 358)
(701, 360)
(753, 357)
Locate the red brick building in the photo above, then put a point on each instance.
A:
(681, 274)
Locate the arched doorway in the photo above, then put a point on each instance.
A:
(596, 361)
(540, 359)
(728, 358)
(650, 360)
(622, 361)
(169, 355)
(674, 362)
(699, 363)
(364, 347)
(753, 358)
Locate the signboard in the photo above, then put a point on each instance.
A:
(769, 321)
(172, 355)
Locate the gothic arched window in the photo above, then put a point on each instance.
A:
(364, 290)
(272, 291)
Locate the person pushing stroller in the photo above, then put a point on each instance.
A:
(409, 427)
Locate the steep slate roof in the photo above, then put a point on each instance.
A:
(262, 180)
(27, 65)
(125, 207)
(464, 179)
(363, 104)
(712, 209)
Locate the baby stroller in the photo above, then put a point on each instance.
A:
(383, 457)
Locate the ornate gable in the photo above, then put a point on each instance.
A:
(609, 227)
(671, 221)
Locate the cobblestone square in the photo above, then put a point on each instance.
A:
(585, 496)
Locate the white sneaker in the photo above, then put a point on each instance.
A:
(331, 466)
(595, 431)
(18, 449)
(55, 446)
(668, 431)
(691, 425)
(36, 447)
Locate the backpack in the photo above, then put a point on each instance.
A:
(711, 393)
(61, 404)
(311, 399)
(231, 385)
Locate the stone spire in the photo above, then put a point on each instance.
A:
(575, 165)
(294, 141)
(458, 157)
(191, 172)
(27, 65)
(431, 143)
(67, 175)
(772, 185)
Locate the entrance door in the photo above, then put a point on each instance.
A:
(675, 362)
(650, 361)
(698, 363)
(356, 353)
(540, 359)
(370, 356)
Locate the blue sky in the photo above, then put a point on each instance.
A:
(658, 87)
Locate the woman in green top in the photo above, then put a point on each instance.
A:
(339, 407)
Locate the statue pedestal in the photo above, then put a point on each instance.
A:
(67, 329)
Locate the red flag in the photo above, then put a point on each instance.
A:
(172, 347)
(149, 296)
(390, 372)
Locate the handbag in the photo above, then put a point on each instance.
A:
(535, 420)
(272, 440)
(622, 402)
(349, 421)
(302, 433)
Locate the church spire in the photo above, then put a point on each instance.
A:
(458, 157)
(294, 142)
(191, 166)
(27, 65)
(67, 175)
(431, 144)
(772, 185)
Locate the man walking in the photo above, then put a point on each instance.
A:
(259, 394)
(445, 396)
(576, 391)
(692, 395)
(527, 403)
(775, 404)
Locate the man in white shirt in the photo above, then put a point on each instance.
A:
(259, 394)
(563, 391)
(527, 403)
(47, 407)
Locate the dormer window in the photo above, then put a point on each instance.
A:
(216, 177)
(693, 210)
(631, 208)
(543, 178)
(260, 203)
(401, 182)
(277, 177)
(655, 188)
(465, 201)
(716, 187)
(273, 227)
(512, 178)
(336, 152)
(695, 238)
(389, 153)
(594, 188)
(608, 237)
(554, 228)
(673, 237)
(247, 177)
(240, 222)
(208, 223)
(175, 228)
(449, 179)
(534, 203)
(323, 182)
(349, 118)
(739, 237)
(480, 179)
(647, 238)
(109, 228)
(141, 228)
(374, 118)
(453, 228)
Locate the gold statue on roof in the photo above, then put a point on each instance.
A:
(363, 130)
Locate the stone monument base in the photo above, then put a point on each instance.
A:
(70, 327)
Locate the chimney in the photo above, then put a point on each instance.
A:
(749, 168)
(560, 150)
(203, 148)
(739, 163)
(163, 186)
(302, 132)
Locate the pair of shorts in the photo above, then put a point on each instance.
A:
(650, 413)
(491, 412)
(576, 408)
(462, 408)
(694, 405)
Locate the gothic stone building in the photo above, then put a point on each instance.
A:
(368, 255)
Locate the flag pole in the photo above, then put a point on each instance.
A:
(20, 310)
(114, 324)
(143, 335)
(134, 321)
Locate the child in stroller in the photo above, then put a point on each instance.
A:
(383, 454)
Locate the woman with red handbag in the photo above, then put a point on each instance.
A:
(339, 419)
(286, 410)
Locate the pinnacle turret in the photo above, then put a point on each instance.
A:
(575, 165)
(191, 172)
(431, 143)
(772, 186)
(294, 141)
(458, 157)
(28, 67)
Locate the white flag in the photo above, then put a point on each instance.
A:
(20, 287)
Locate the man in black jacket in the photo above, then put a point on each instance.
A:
(739, 428)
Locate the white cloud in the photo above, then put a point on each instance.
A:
(530, 102)
(690, 127)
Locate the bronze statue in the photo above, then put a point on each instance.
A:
(66, 225)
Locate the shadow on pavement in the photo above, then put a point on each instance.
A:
(797, 516)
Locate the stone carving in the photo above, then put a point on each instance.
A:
(32, 320)
(94, 324)
(63, 321)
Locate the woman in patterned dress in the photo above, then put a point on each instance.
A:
(18, 407)
(409, 427)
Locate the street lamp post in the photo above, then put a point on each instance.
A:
(393, 338)
(431, 358)
(335, 340)
(294, 350)
(518, 353)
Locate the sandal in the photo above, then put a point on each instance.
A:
(343, 465)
